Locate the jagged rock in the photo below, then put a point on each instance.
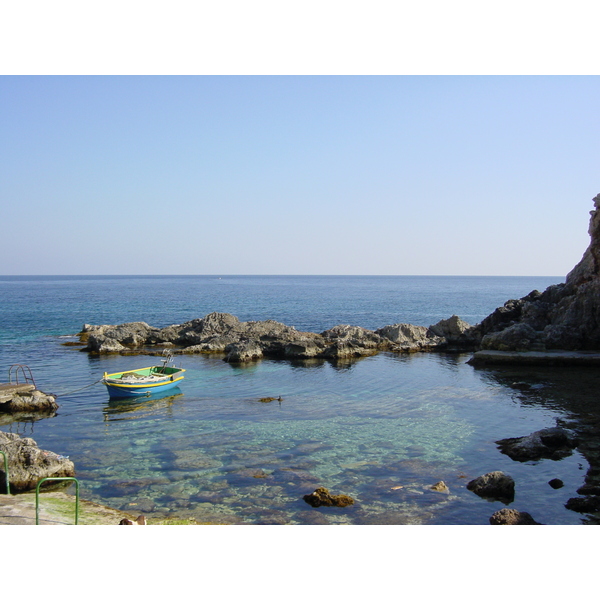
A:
(304, 348)
(105, 339)
(243, 352)
(510, 516)
(101, 344)
(589, 504)
(563, 317)
(455, 331)
(26, 399)
(440, 486)
(410, 337)
(244, 341)
(519, 337)
(353, 334)
(495, 485)
(554, 443)
(341, 349)
(27, 463)
(322, 497)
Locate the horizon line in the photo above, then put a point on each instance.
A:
(253, 275)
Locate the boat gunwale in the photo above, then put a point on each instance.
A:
(178, 370)
(112, 380)
(129, 386)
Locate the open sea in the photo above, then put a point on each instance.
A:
(381, 429)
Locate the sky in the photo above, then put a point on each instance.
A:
(223, 172)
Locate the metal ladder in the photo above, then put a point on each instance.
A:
(25, 372)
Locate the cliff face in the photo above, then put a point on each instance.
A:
(589, 266)
(563, 317)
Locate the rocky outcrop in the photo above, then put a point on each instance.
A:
(456, 332)
(410, 337)
(27, 463)
(511, 516)
(440, 486)
(252, 340)
(563, 317)
(554, 443)
(25, 398)
(322, 497)
(495, 485)
(104, 339)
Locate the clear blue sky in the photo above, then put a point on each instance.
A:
(398, 175)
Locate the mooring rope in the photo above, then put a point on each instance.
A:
(78, 390)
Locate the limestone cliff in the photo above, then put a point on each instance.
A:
(563, 317)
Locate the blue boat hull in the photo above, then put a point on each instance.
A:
(126, 392)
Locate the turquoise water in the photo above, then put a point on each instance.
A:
(382, 429)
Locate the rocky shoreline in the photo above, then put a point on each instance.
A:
(222, 333)
(560, 326)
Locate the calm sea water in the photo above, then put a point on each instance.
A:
(381, 429)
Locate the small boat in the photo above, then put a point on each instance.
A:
(145, 381)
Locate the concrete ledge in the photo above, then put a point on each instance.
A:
(549, 358)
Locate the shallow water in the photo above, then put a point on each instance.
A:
(382, 429)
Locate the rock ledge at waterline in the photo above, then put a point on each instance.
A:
(245, 341)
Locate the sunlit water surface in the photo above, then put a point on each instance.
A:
(381, 429)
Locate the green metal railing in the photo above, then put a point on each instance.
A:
(37, 496)
(6, 471)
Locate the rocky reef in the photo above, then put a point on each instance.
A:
(246, 341)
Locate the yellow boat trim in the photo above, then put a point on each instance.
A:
(124, 385)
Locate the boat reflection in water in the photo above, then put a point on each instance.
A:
(139, 407)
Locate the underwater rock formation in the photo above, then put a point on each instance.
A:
(322, 497)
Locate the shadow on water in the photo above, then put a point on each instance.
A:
(572, 392)
(132, 408)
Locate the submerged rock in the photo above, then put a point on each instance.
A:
(322, 497)
(440, 486)
(27, 463)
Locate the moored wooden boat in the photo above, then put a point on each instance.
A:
(144, 381)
